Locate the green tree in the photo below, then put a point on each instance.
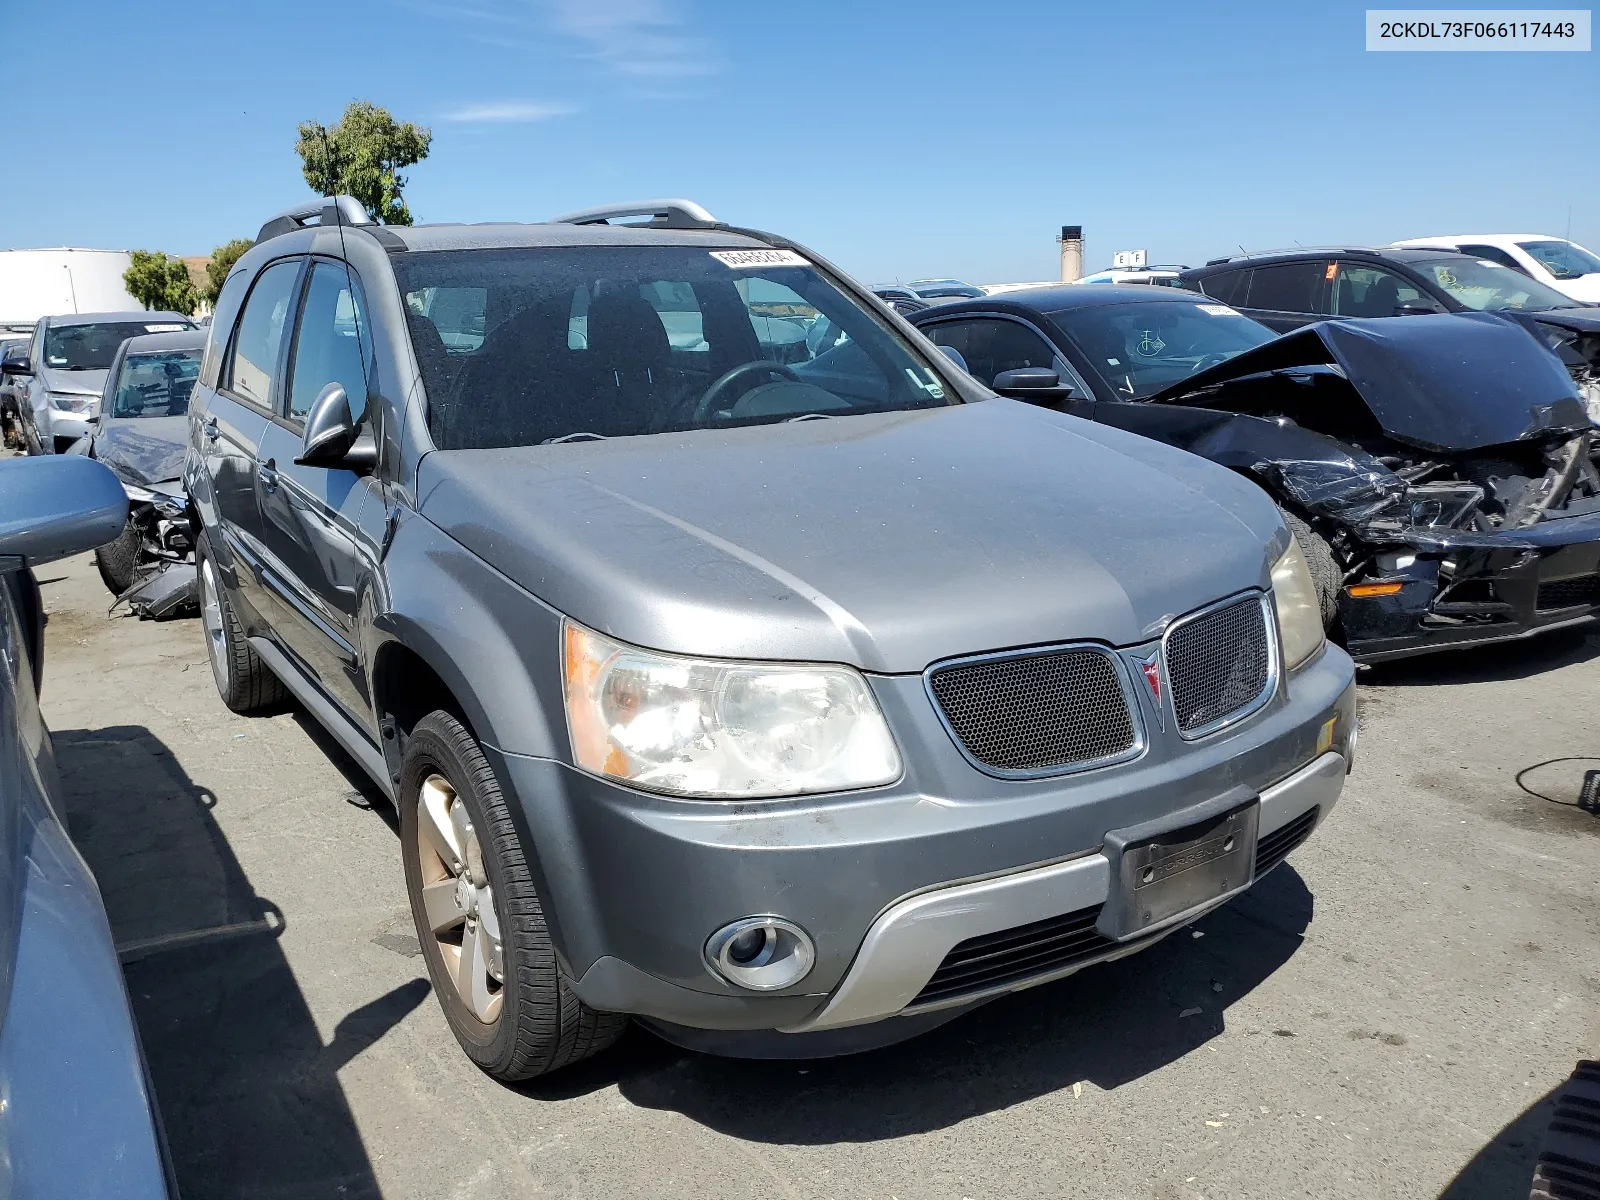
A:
(159, 282)
(361, 156)
(222, 260)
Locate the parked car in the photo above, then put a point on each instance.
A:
(80, 1118)
(794, 707)
(61, 380)
(1161, 276)
(1289, 289)
(944, 289)
(1556, 262)
(15, 349)
(1437, 471)
(141, 431)
(902, 299)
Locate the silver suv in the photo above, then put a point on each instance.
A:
(734, 661)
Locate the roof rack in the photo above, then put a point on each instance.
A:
(1249, 254)
(325, 210)
(660, 214)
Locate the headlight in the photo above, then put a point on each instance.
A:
(73, 404)
(138, 494)
(715, 728)
(1299, 613)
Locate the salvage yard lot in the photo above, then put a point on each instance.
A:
(1384, 1015)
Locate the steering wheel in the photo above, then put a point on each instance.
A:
(1209, 361)
(727, 379)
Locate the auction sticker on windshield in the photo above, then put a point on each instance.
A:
(1217, 310)
(741, 259)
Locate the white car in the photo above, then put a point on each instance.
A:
(1565, 266)
(1163, 276)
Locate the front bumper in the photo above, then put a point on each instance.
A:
(1537, 580)
(635, 883)
(60, 428)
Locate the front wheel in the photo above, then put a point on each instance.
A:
(479, 919)
(119, 560)
(245, 683)
(1324, 567)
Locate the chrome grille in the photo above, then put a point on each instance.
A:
(1219, 664)
(1031, 714)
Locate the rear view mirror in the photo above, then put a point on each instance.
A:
(331, 438)
(1416, 308)
(58, 504)
(954, 356)
(1039, 384)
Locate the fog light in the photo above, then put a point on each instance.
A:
(762, 954)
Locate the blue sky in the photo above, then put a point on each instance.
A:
(898, 140)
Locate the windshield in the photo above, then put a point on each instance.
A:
(1140, 348)
(1563, 259)
(92, 347)
(531, 346)
(1486, 286)
(156, 385)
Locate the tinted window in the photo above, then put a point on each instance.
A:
(92, 347)
(1287, 287)
(991, 345)
(328, 347)
(1227, 286)
(1139, 349)
(1494, 254)
(1363, 291)
(599, 341)
(156, 385)
(261, 332)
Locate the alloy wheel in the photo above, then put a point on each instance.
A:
(211, 622)
(458, 900)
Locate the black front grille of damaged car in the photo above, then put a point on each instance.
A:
(1034, 713)
(1012, 955)
(1569, 593)
(1219, 663)
(1275, 846)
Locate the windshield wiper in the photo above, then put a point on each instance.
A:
(581, 436)
(807, 417)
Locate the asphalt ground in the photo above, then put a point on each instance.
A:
(1384, 1016)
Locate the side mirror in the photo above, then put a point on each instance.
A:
(954, 356)
(1038, 384)
(16, 366)
(331, 438)
(58, 504)
(1416, 308)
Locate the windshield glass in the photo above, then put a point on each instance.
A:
(156, 385)
(1486, 286)
(1563, 259)
(92, 347)
(530, 346)
(1140, 348)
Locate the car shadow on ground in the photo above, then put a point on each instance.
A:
(1488, 664)
(248, 1090)
(1503, 1169)
(1103, 1027)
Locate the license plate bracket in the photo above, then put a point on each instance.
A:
(1163, 871)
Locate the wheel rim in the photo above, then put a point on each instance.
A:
(211, 622)
(457, 901)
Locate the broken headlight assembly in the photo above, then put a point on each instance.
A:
(165, 504)
(721, 729)
(1299, 613)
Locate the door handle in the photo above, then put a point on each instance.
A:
(269, 475)
(209, 428)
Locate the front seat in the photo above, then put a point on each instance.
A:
(1381, 299)
(630, 360)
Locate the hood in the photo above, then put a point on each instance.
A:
(82, 383)
(1444, 383)
(885, 541)
(143, 450)
(1584, 287)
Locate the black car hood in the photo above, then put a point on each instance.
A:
(143, 450)
(1444, 383)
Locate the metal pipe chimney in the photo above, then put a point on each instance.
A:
(1071, 253)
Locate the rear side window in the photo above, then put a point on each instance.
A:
(1287, 287)
(1227, 286)
(257, 349)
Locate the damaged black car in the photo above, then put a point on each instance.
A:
(141, 432)
(1439, 471)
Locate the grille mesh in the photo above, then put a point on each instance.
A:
(1218, 664)
(1056, 709)
(1569, 593)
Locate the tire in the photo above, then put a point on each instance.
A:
(245, 683)
(1324, 567)
(119, 560)
(533, 1024)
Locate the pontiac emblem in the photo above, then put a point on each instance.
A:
(1152, 676)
